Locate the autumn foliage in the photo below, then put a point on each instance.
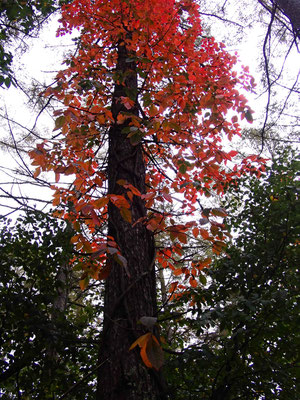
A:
(185, 103)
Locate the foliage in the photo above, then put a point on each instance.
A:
(244, 324)
(175, 113)
(46, 343)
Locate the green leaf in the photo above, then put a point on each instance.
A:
(183, 168)
(248, 116)
(202, 279)
(135, 137)
(147, 99)
(59, 122)
(7, 82)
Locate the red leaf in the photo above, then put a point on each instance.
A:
(204, 234)
(127, 102)
(104, 271)
(195, 232)
(167, 197)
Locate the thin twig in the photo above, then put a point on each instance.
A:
(81, 380)
(268, 35)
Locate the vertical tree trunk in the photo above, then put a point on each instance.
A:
(130, 292)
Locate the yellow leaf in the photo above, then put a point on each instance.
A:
(101, 202)
(83, 283)
(140, 341)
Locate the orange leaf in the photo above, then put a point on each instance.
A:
(74, 239)
(154, 353)
(127, 102)
(122, 118)
(153, 110)
(173, 287)
(182, 237)
(219, 212)
(144, 356)
(151, 351)
(178, 271)
(37, 172)
(204, 263)
(130, 196)
(218, 247)
(83, 283)
(119, 201)
(134, 190)
(193, 282)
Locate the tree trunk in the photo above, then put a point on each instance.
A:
(130, 292)
(291, 8)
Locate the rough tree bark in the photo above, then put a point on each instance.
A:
(291, 8)
(130, 292)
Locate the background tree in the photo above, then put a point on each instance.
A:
(291, 9)
(272, 62)
(243, 326)
(47, 340)
(18, 20)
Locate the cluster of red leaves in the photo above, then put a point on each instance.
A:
(186, 87)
